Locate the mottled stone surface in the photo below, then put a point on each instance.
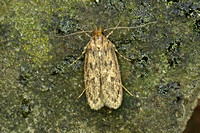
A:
(38, 89)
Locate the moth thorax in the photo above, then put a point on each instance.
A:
(99, 41)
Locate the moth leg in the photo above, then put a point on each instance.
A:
(119, 53)
(85, 33)
(85, 48)
(81, 94)
(127, 90)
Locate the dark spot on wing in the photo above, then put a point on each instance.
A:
(118, 91)
(95, 64)
(107, 93)
(91, 66)
(106, 52)
(115, 100)
(112, 79)
(111, 63)
(93, 52)
(92, 80)
(105, 64)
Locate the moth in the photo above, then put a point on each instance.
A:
(102, 78)
(103, 85)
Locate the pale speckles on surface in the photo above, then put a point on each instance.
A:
(101, 74)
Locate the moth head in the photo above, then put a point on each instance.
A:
(98, 32)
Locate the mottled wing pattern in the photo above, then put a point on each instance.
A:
(101, 74)
(92, 76)
(112, 91)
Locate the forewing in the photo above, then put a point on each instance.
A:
(92, 76)
(110, 77)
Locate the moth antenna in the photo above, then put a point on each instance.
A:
(112, 30)
(80, 32)
(130, 27)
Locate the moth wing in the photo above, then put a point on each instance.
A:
(92, 77)
(112, 91)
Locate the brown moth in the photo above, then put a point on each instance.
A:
(103, 85)
(102, 77)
